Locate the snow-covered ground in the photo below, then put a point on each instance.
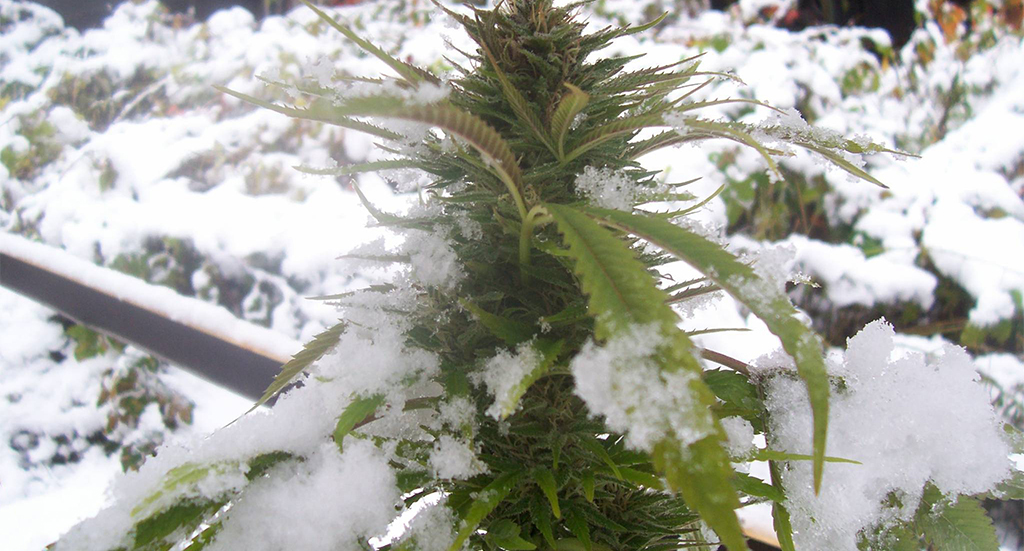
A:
(116, 148)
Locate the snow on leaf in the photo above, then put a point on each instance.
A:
(744, 285)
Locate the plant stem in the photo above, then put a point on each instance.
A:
(536, 214)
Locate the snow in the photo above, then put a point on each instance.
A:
(373, 361)
(614, 379)
(980, 254)
(740, 435)
(434, 263)
(431, 529)
(327, 502)
(849, 277)
(503, 373)
(52, 497)
(453, 458)
(610, 189)
(908, 421)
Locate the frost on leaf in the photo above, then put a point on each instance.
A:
(452, 458)
(622, 382)
(741, 436)
(434, 262)
(371, 361)
(324, 503)
(909, 420)
(430, 529)
(610, 189)
(503, 374)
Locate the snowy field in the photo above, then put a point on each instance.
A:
(116, 148)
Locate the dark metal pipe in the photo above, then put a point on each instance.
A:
(226, 364)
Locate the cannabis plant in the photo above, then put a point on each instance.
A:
(523, 382)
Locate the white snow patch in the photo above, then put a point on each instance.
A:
(622, 382)
(908, 421)
(503, 374)
(327, 502)
(453, 458)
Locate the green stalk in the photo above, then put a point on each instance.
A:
(536, 214)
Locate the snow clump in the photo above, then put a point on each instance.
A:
(431, 529)
(371, 361)
(503, 374)
(909, 421)
(741, 436)
(327, 502)
(434, 262)
(452, 458)
(607, 188)
(619, 381)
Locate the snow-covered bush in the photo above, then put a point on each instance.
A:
(522, 381)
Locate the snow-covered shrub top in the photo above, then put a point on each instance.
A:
(945, 434)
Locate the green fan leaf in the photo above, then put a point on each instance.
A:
(959, 526)
(179, 481)
(540, 514)
(838, 160)
(774, 455)
(611, 130)
(734, 132)
(587, 481)
(320, 115)
(636, 80)
(578, 525)
(626, 31)
(546, 481)
(753, 486)
(642, 478)
(510, 331)
(354, 414)
(485, 502)
(763, 299)
(703, 480)
(570, 106)
(467, 126)
(373, 166)
(668, 138)
(154, 532)
(505, 535)
(621, 291)
(204, 538)
(622, 294)
(1011, 488)
(736, 391)
(410, 73)
(780, 515)
(593, 445)
(313, 351)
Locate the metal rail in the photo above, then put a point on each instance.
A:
(224, 363)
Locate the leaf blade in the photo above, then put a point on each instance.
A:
(740, 281)
(311, 352)
(546, 481)
(488, 498)
(354, 414)
(562, 119)
(959, 526)
(410, 73)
